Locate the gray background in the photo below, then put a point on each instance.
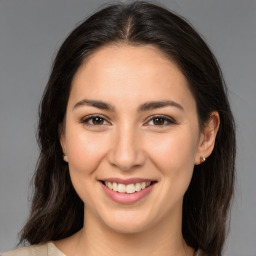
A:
(31, 32)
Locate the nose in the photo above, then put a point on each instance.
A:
(126, 152)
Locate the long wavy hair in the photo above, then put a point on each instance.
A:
(57, 211)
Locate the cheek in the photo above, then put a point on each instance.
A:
(85, 151)
(174, 152)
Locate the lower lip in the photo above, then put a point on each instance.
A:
(126, 198)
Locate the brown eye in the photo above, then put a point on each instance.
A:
(95, 121)
(159, 121)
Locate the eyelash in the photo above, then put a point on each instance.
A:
(93, 117)
(167, 120)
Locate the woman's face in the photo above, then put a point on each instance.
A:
(131, 137)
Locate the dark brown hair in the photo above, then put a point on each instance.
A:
(57, 211)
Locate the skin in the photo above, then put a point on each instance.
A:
(127, 143)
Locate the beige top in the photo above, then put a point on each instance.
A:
(48, 249)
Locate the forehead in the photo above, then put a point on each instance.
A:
(130, 72)
(122, 57)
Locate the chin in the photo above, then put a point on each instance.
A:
(128, 223)
(127, 228)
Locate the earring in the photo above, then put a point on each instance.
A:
(65, 158)
(202, 159)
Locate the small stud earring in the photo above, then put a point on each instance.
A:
(65, 158)
(202, 159)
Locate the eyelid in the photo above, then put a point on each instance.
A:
(170, 120)
(85, 119)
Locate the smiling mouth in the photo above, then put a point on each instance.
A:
(127, 188)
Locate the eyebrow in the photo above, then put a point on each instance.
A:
(144, 107)
(159, 104)
(94, 103)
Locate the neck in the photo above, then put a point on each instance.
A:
(98, 239)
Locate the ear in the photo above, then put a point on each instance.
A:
(62, 138)
(207, 138)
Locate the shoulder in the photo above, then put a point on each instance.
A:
(40, 250)
(47, 249)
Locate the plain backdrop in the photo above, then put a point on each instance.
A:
(31, 32)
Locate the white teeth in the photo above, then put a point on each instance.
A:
(121, 188)
(130, 188)
(137, 187)
(110, 185)
(114, 186)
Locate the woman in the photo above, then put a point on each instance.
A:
(137, 141)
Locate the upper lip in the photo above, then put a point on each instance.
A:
(127, 181)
